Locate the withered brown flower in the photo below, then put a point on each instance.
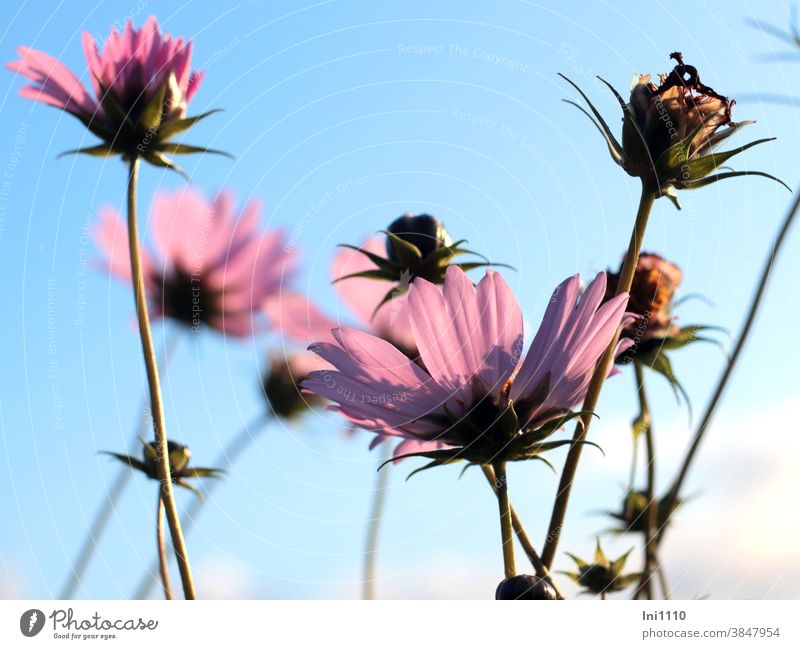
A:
(652, 291)
(670, 131)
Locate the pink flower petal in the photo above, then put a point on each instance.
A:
(54, 83)
(297, 317)
(501, 327)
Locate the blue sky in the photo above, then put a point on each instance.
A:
(343, 115)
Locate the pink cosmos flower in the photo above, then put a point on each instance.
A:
(142, 83)
(477, 399)
(210, 266)
(300, 319)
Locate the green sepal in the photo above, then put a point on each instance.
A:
(177, 148)
(442, 455)
(375, 273)
(688, 334)
(676, 156)
(542, 458)
(408, 254)
(708, 180)
(574, 576)
(395, 291)
(600, 557)
(639, 425)
(191, 488)
(431, 465)
(548, 428)
(176, 126)
(669, 193)
(701, 167)
(610, 139)
(663, 366)
(112, 108)
(615, 156)
(98, 151)
(158, 159)
(472, 265)
(623, 581)
(202, 472)
(380, 262)
(150, 118)
(508, 422)
(544, 447)
(618, 564)
(130, 461)
(580, 563)
(442, 255)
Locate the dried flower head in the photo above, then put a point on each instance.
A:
(652, 291)
(670, 131)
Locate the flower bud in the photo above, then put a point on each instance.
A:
(525, 587)
(424, 231)
(179, 456)
(416, 246)
(602, 576)
(634, 511)
(281, 385)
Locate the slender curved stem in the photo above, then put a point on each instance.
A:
(595, 386)
(156, 403)
(374, 525)
(506, 528)
(662, 579)
(161, 544)
(522, 536)
(675, 490)
(650, 517)
(224, 461)
(103, 516)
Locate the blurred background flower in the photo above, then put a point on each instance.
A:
(213, 267)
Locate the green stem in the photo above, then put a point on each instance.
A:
(154, 386)
(650, 513)
(374, 525)
(103, 516)
(595, 385)
(522, 536)
(674, 492)
(662, 579)
(506, 528)
(634, 462)
(224, 461)
(161, 544)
